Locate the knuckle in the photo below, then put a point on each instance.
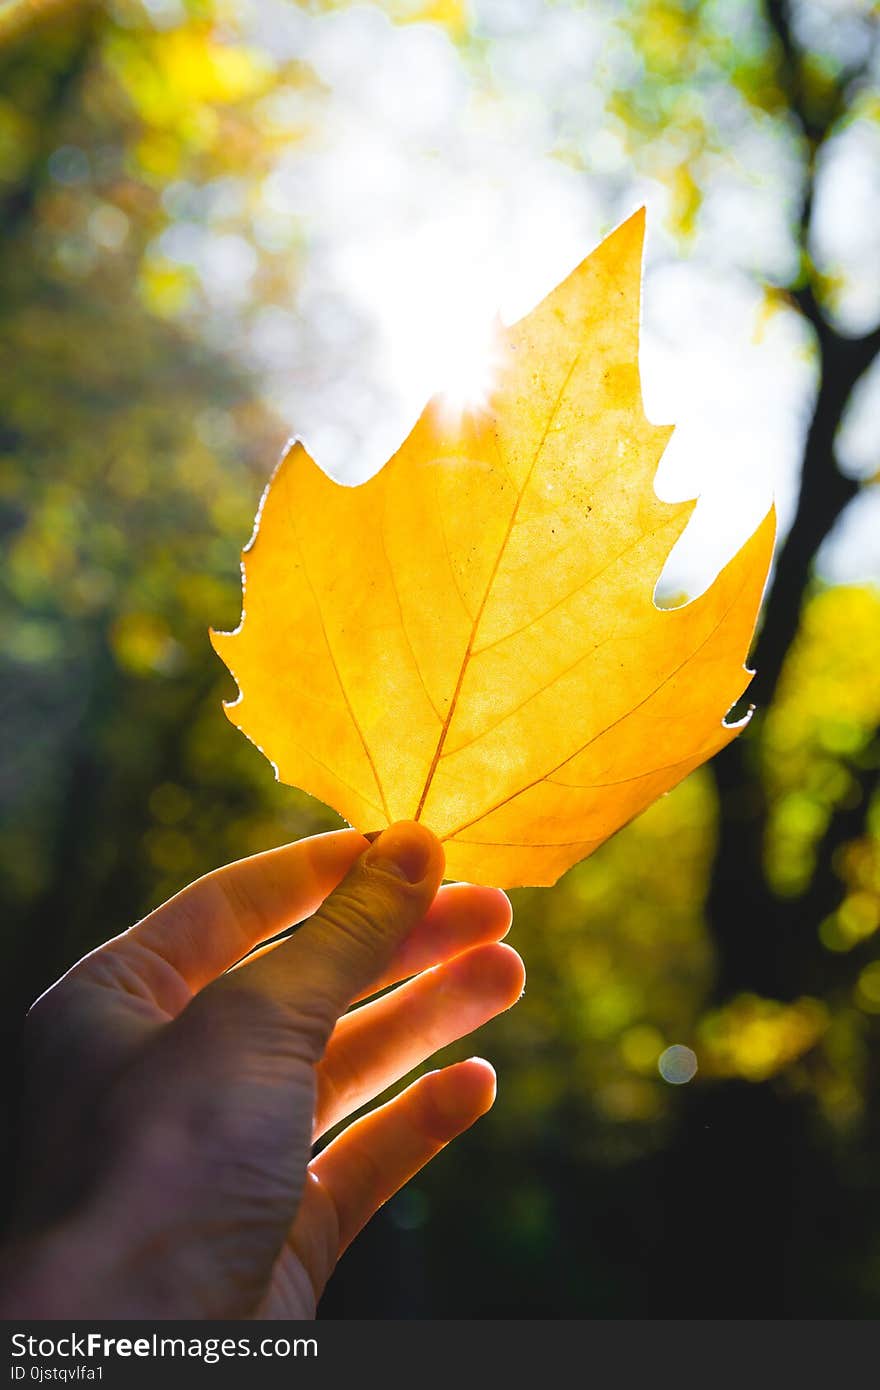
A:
(314, 1018)
(368, 912)
(242, 906)
(339, 1080)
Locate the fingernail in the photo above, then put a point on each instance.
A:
(404, 850)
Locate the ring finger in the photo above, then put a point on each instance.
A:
(375, 1045)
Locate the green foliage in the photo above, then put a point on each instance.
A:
(821, 732)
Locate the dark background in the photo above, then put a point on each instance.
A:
(738, 916)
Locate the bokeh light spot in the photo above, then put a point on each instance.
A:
(69, 165)
(677, 1064)
(409, 1209)
(868, 988)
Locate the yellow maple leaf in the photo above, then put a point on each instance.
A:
(470, 638)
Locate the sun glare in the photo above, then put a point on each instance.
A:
(440, 316)
(467, 367)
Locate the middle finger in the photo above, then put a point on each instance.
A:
(375, 1045)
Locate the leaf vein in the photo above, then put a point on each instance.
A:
(354, 719)
(545, 776)
(440, 513)
(406, 637)
(591, 579)
(438, 752)
(622, 781)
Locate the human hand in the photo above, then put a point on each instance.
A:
(174, 1090)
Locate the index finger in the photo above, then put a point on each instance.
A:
(207, 927)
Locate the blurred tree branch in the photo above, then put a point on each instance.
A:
(762, 944)
(825, 491)
(816, 117)
(752, 1139)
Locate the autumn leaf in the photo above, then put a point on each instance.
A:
(470, 638)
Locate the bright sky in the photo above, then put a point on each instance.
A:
(430, 199)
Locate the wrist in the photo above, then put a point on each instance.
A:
(85, 1268)
(44, 1276)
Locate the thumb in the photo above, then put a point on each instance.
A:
(338, 952)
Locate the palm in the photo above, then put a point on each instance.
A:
(233, 1092)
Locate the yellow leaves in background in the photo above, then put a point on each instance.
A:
(17, 141)
(180, 83)
(198, 68)
(820, 725)
(773, 302)
(666, 34)
(168, 74)
(451, 15)
(686, 199)
(868, 988)
(470, 638)
(858, 915)
(164, 287)
(142, 643)
(754, 1038)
